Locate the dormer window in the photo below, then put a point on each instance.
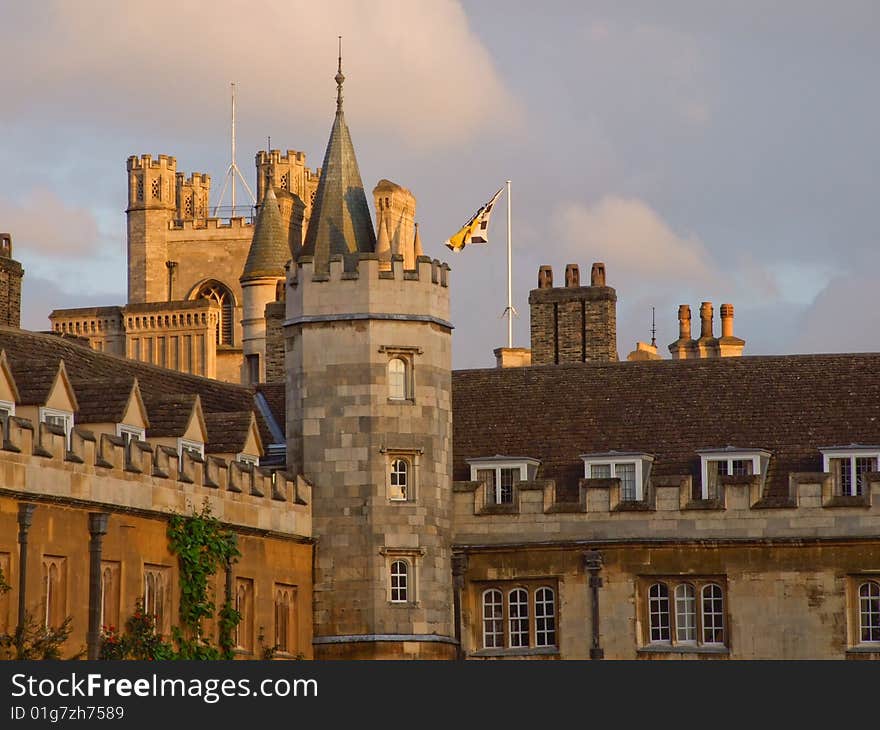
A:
(130, 433)
(250, 459)
(632, 468)
(498, 474)
(196, 448)
(848, 466)
(7, 409)
(61, 419)
(729, 461)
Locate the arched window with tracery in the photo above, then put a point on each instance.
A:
(220, 293)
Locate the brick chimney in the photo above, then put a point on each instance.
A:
(11, 274)
(573, 323)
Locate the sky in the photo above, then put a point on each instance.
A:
(704, 151)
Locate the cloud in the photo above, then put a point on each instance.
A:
(842, 318)
(415, 70)
(634, 241)
(42, 223)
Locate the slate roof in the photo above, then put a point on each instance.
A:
(789, 405)
(227, 432)
(103, 400)
(269, 251)
(33, 358)
(340, 221)
(169, 414)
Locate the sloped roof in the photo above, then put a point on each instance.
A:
(340, 221)
(170, 414)
(103, 400)
(269, 251)
(227, 432)
(32, 355)
(789, 405)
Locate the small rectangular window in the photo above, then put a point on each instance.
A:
(600, 471)
(627, 475)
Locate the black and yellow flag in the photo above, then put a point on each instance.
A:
(476, 230)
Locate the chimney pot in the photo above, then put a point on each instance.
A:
(684, 322)
(597, 275)
(545, 277)
(727, 320)
(706, 319)
(572, 276)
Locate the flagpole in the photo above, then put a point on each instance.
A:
(509, 276)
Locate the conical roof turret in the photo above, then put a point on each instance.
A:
(340, 221)
(269, 251)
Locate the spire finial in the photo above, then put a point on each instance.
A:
(339, 79)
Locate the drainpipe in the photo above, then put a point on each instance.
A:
(459, 567)
(97, 530)
(593, 564)
(25, 517)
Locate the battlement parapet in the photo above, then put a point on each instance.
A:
(738, 511)
(291, 156)
(361, 287)
(236, 223)
(154, 478)
(165, 162)
(196, 179)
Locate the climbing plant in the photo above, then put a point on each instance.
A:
(203, 546)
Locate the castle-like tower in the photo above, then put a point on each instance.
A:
(369, 425)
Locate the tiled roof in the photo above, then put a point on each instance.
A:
(33, 359)
(269, 251)
(169, 414)
(227, 432)
(103, 400)
(275, 395)
(789, 405)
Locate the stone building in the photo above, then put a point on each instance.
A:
(562, 505)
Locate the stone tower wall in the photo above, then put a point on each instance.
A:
(343, 430)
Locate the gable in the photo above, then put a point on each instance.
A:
(61, 394)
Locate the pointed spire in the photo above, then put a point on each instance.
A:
(340, 222)
(417, 244)
(269, 251)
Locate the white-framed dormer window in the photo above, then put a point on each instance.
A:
(848, 466)
(62, 419)
(130, 433)
(194, 447)
(729, 461)
(248, 459)
(499, 473)
(632, 468)
(7, 409)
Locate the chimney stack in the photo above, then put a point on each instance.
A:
(706, 315)
(597, 274)
(728, 345)
(11, 274)
(572, 276)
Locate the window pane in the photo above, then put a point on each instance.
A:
(864, 464)
(685, 613)
(487, 477)
(713, 614)
(399, 477)
(627, 475)
(600, 471)
(508, 477)
(741, 467)
(518, 611)
(841, 470)
(658, 612)
(493, 633)
(397, 379)
(399, 575)
(545, 617)
(869, 612)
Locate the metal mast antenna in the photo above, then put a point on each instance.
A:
(232, 171)
(653, 329)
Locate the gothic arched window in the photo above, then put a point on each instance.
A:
(217, 292)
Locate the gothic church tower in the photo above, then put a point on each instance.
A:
(369, 424)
